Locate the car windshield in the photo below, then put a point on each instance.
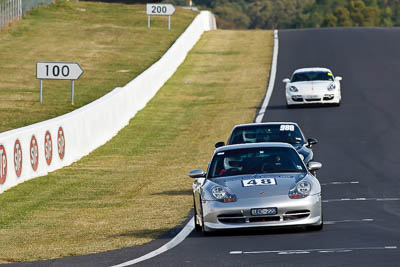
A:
(255, 161)
(285, 133)
(312, 76)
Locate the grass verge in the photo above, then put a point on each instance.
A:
(110, 41)
(135, 187)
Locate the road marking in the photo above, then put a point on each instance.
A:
(174, 242)
(388, 199)
(309, 251)
(271, 79)
(361, 199)
(348, 221)
(341, 183)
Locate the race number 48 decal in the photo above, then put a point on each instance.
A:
(259, 181)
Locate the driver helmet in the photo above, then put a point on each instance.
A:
(233, 163)
(249, 136)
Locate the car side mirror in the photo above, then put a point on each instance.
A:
(219, 144)
(311, 142)
(197, 173)
(338, 78)
(314, 166)
(286, 80)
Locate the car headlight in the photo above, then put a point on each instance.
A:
(331, 87)
(293, 88)
(301, 190)
(221, 194)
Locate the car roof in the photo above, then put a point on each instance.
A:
(312, 69)
(265, 123)
(253, 145)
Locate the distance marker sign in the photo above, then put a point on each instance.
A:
(58, 70)
(160, 9)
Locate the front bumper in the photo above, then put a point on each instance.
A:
(291, 212)
(325, 98)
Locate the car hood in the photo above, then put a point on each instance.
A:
(284, 182)
(310, 87)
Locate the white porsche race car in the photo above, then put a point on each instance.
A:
(313, 86)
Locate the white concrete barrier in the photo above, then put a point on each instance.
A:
(35, 150)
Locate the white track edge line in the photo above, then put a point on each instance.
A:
(174, 242)
(190, 225)
(271, 82)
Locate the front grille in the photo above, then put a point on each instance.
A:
(313, 99)
(241, 218)
(328, 98)
(265, 219)
(296, 215)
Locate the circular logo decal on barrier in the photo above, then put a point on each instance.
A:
(48, 148)
(61, 142)
(34, 153)
(3, 164)
(18, 158)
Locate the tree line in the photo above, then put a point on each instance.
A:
(284, 14)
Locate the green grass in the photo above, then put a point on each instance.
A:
(111, 42)
(135, 188)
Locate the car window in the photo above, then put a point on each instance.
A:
(285, 133)
(312, 76)
(255, 161)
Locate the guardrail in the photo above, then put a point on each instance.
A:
(35, 150)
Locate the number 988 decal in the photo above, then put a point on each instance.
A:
(287, 127)
(259, 181)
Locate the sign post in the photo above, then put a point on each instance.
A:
(58, 71)
(159, 10)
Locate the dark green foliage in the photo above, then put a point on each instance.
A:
(282, 14)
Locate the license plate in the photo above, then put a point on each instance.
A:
(312, 96)
(264, 211)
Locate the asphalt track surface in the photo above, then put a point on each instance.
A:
(358, 146)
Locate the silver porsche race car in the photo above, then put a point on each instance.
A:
(256, 185)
